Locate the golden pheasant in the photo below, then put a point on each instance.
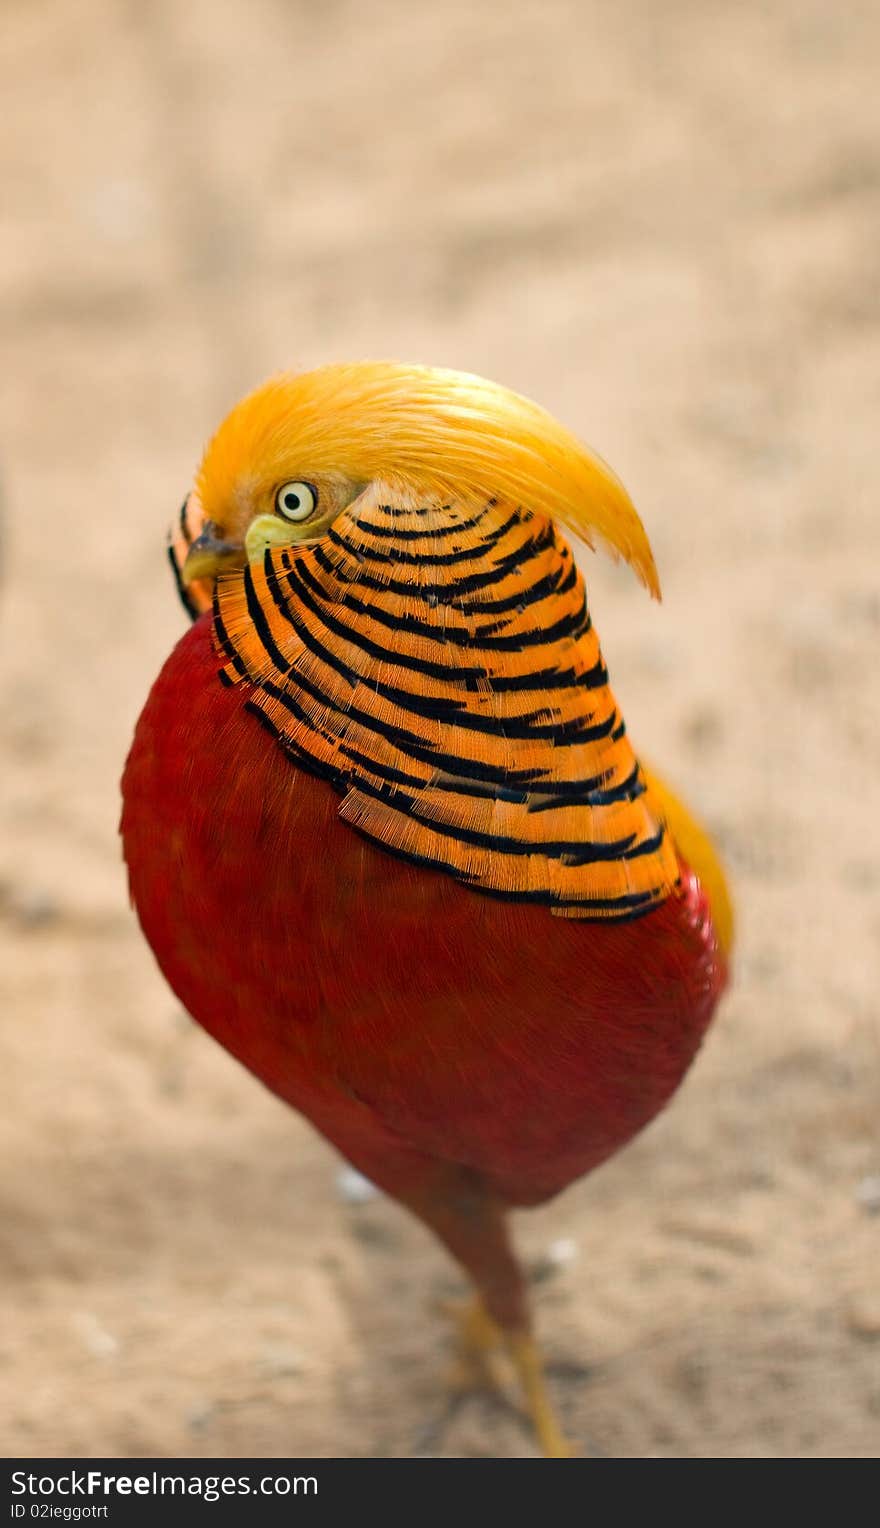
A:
(385, 829)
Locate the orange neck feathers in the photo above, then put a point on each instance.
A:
(437, 663)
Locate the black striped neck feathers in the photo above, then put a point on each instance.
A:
(438, 665)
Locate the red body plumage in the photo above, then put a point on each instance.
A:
(414, 1022)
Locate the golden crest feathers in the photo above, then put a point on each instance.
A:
(444, 434)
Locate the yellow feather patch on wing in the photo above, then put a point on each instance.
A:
(696, 847)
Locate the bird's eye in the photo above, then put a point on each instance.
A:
(296, 501)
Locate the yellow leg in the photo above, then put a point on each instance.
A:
(480, 1345)
(527, 1361)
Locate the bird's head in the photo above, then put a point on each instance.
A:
(302, 449)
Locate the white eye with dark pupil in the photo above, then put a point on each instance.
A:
(296, 501)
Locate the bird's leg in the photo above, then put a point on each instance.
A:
(480, 1342)
(473, 1225)
(526, 1357)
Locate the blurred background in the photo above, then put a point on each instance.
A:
(662, 222)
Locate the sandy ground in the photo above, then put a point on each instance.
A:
(663, 222)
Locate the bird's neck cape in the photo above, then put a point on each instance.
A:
(438, 666)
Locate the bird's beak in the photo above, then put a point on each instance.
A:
(209, 555)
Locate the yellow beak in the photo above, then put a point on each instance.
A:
(209, 555)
